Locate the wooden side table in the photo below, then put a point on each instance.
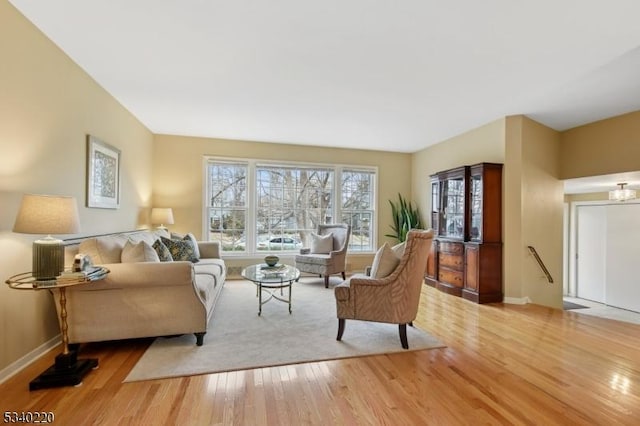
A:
(68, 370)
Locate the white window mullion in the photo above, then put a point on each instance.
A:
(337, 191)
(250, 229)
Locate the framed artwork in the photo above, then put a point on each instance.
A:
(103, 174)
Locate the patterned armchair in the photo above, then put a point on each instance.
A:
(392, 299)
(333, 260)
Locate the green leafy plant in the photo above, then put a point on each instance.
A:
(405, 217)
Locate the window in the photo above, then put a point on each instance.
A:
(357, 197)
(291, 202)
(227, 204)
(257, 207)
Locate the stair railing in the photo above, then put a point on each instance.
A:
(541, 263)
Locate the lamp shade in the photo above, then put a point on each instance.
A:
(47, 214)
(161, 216)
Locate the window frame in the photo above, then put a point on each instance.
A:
(252, 166)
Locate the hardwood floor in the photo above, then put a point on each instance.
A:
(504, 364)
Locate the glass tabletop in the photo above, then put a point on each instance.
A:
(26, 280)
(261, 273)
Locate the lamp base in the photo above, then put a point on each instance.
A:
(67, 371)
(48, 258)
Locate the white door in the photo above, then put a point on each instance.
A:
(591, 252)
(623, 255)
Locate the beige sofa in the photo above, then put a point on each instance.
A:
(142, 299)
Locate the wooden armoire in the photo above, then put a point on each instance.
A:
(466, 215)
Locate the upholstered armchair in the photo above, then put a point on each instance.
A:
(392, 298)
(328, 254)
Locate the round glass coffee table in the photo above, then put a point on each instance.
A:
(268, 279)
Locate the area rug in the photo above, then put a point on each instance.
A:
(239, 339)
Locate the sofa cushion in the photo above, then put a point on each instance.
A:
(138, 252)
(180, 249)
(106, 249)
(146, 236)
(321, 243)
(163, 252)
(205, 285)
(384, 262)
(210, 266)
(316, 259)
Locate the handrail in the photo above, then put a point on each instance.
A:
(541, 263)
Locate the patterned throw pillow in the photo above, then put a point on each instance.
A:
(189, 236)
(163, 252)
(181, 249)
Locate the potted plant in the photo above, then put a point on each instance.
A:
(405, 217)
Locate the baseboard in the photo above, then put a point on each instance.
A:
(516, 300)
(19, 364)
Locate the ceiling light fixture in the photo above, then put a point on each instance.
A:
(622, 194)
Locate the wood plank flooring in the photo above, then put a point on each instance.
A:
(504, 364)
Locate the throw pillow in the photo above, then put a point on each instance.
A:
(384, 262)
(138, 252)
(180, 249)
(321, 244)
(189, 236)
(163, 252)
(105, 249)
(398, 249)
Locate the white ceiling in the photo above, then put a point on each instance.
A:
(386, 75)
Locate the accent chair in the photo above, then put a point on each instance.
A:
(328, 252)
(393, 298)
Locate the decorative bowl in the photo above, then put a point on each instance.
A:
(271, 260)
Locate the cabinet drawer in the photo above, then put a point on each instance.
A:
(452, 261)
(453, 248)
(451, 277)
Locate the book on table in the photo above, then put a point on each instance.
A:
(90, 274)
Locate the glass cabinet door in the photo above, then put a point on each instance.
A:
(475, 207)
(435, 203)
(452, 209)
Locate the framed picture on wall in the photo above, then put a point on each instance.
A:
(103, 174)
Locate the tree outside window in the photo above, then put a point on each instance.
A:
(288, 202)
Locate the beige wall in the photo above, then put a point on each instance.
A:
(542, 213)
(533, 212)
(484, 144)
(532, 196)
(601, 148)
(178, 177)
(591, 196)
(47, 106)
(512, 210)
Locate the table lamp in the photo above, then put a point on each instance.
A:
(161, 216)
(47, 214)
